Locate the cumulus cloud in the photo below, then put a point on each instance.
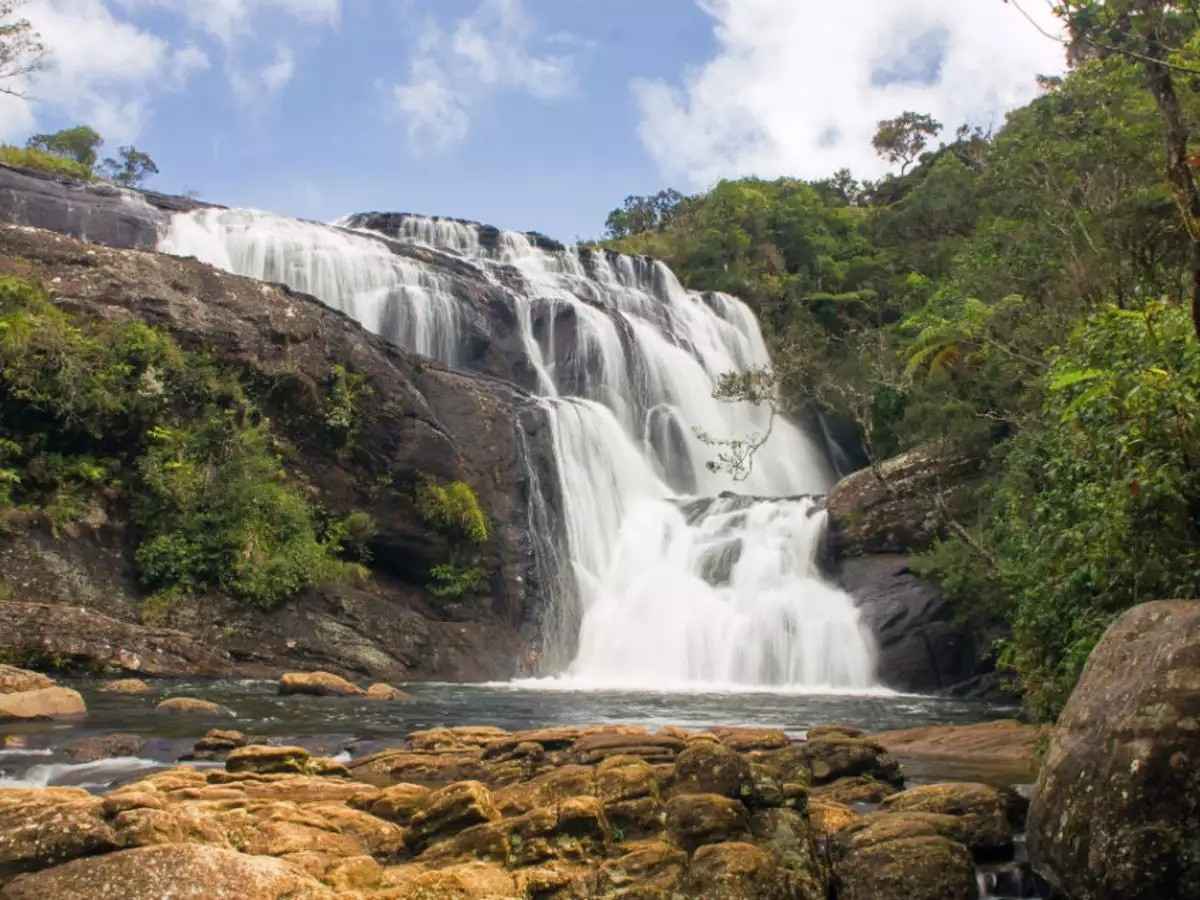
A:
(798, 88)
(454, 70)
(99, 70)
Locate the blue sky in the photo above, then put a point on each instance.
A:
(523, 113)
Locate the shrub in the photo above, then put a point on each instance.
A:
(217, 512)
(29, 158)
(453, 509)
(88, 405)
(453, 582)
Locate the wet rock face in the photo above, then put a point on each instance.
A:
(876, 520)
(424, 421)
(1116, 812)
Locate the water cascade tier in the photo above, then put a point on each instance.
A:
(663, 579)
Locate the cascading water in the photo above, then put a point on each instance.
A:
(669, 586)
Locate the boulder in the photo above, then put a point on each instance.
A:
(181, 872)
(697, 819)
(706, 767)
(897, 509)
(855, 789)
(737, 871)
(193, 706)
(17, 681)
(1117, 805)
(125, 686)
(910, 868)
(318, 684)
(451, 809)
(386, 692)
(980, 809)
(832, 757)
(43, 703)
(266, 759)
(218, 742)
(106, 746)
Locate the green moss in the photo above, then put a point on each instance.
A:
(344, 404)
(28, 158)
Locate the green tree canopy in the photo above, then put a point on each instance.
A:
(79, 144)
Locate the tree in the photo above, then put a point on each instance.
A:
(79, 143)
(901, 140)
(21, 49)
(641, 214)
(132, 169)
(1149, 32)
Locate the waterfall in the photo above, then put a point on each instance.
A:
(670, 582)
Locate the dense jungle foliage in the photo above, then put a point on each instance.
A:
(100, 412)
(1021, 296)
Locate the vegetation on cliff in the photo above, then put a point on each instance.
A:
(1020, 296)
(93, 412)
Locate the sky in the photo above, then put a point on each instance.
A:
(526, 114)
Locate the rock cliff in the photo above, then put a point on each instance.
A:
(425, 421)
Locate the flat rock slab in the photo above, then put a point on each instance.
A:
(1004, 751)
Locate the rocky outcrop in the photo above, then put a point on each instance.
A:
(423, 421)
(92, 211)
(589, 812)
(29, 695)
(877, 519)
(66, 635)
(1117, 803)
(901, 507)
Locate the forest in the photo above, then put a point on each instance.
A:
(1018, 295)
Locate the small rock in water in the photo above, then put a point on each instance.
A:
(386, 692)
(105, 746)
(318, 684)
(44, 703)
(217, 743)
(126, 686)
(193, 706)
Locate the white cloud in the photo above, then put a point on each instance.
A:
(229, 19)
(99, 70)
(798, 88)
(453, 72)
(266, 81)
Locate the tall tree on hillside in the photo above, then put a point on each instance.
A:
(131, 169)
(21, 49)
(79, 143)
(1151, 32)
(902, 139)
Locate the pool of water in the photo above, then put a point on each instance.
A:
(39, 752)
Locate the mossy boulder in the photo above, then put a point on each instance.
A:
(1116, 813)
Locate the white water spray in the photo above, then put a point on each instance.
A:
(669, 590)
